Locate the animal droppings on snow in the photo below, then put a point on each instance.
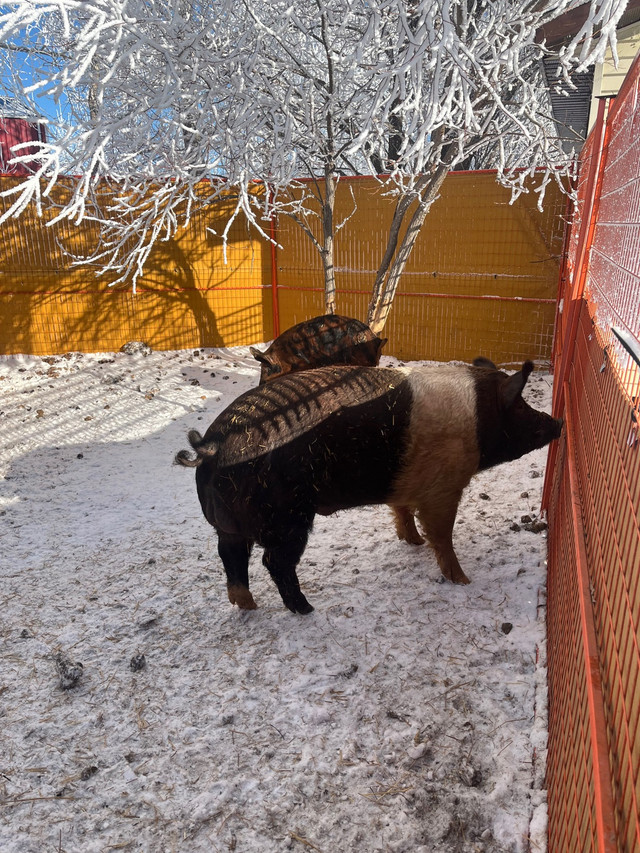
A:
(88, 772)
(69, 672)
(137, 663)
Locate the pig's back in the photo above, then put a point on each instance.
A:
(317, 441)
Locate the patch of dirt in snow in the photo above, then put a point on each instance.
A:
(405, 714)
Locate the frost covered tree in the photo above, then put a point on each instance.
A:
(156, 95)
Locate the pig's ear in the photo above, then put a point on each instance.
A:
(512, 388)
(481, 361)
(259, 355)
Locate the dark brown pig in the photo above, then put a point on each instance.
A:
(330, 339)
(340, 437)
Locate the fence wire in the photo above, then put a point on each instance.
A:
(482, 279)
(593, 498)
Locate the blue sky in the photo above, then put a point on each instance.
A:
(27, 68)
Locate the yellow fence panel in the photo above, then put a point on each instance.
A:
(189, 296)
(482, 279)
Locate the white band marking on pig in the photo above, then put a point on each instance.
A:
(443, 452)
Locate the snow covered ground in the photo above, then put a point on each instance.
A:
(403, 715)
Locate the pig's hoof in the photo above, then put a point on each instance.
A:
(412, 537)
(406, 526)
(458, 577)
(241, 596)
(454, 574)
(298, 604)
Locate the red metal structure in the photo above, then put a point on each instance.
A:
(15, 128)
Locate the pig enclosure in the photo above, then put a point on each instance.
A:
(407, 715)
(404, 714)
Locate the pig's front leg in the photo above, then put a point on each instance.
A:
(437, 519)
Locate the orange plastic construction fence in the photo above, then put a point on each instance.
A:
(592, 493)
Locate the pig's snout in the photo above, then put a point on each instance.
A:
(547, 430)
(552, 429)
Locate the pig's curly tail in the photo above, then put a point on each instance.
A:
(204, 450)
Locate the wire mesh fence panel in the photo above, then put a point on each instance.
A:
(601, 549)
(482, 277)
(194, 292)
(613, 283)
(608, 465)
(576, 235)
(571, 778)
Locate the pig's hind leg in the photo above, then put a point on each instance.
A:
(406, 525)
(281, 556)
(234, 552)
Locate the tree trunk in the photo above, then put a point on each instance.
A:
(327, 250)
(393, 262)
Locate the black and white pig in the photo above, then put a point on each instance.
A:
(340, 437)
